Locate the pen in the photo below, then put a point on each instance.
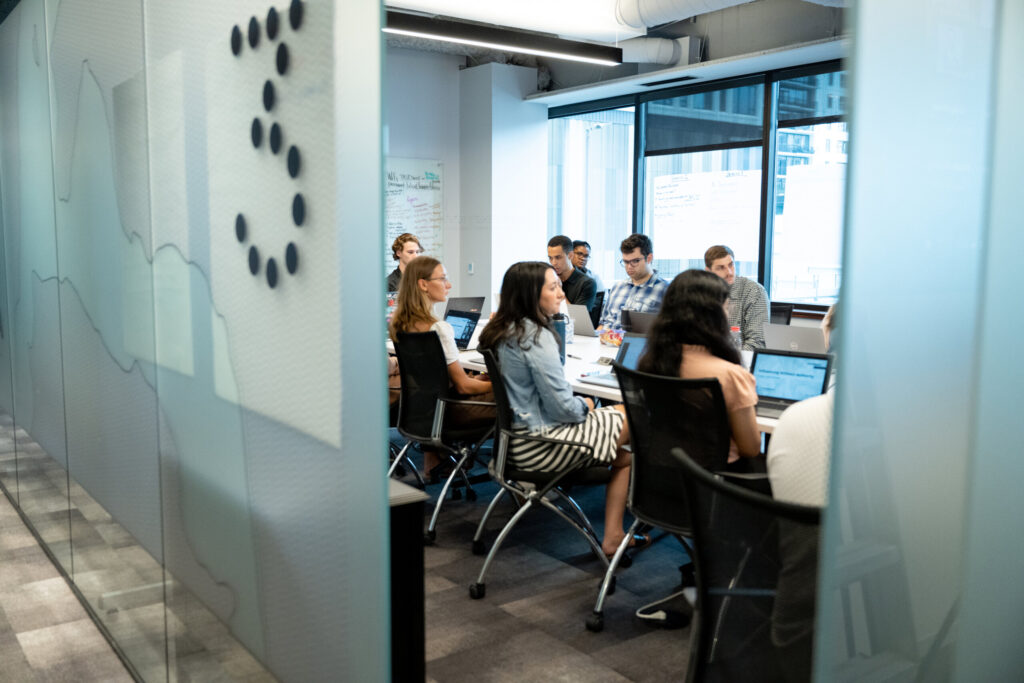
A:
(569, 355)
(588, 374)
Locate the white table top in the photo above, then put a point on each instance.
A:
(580, 360)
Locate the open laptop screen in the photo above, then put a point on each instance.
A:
(632, 348)
(464, 324)
(790, 376)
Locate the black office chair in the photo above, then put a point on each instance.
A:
(781, 314)
(748, 592)
(664, 413)
(530, 488)
(426, 393)
(595, 312)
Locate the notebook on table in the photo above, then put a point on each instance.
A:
(464, 325)
(794, 338)
(785, 377)
(632, 348)
(581, 321)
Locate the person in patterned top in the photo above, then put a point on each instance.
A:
(643, 291)
(748, 307)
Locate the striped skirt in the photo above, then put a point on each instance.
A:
(600, 429)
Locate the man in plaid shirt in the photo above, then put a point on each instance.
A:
(748, 302)
(643, 291)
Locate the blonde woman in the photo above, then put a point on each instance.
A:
(425, 283)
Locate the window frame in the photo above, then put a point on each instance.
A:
(769, 130)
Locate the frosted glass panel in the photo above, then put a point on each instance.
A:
(894, 533)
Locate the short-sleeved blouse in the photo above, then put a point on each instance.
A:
(447, 335)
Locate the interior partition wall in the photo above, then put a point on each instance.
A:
(179, 189)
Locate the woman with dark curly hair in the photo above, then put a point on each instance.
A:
(521, 336)
(691, 339)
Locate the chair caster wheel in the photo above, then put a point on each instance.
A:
(471, 495)
(611, 586)
(479, 548)
(595, 622)
(456, 494)
(429, 537)
(477, 590)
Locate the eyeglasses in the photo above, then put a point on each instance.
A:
(630, 262)
(438, 278)
(582, 256)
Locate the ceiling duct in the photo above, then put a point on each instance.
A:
(648, 13)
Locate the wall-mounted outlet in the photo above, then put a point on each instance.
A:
(470, 268)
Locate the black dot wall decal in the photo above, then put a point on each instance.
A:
(236, 40)
(295, 14)
(254, 260)
(268, 95)
(271, 273)
(254, 32)
(298, 209)
(272, 24)
(282, 58)
(257, 133)
(275, 138)
(240, 227)
(291, 258)
(293, 161)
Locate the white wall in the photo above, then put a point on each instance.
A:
(421, 121)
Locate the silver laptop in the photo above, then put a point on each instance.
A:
(464, 325)
(785, 377)
(582, 324)
(471, 304)
(632, 348)
(794, 338)
(638, 321)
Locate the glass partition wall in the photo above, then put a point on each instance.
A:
(171, 424)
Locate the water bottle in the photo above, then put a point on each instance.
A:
(737, 338)
(558, 321)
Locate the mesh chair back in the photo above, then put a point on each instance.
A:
(742, 578)
(781, 314)
(665, 413)
(502, 406)
(424, 380)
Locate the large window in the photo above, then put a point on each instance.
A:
(590, 183)
(701, 178)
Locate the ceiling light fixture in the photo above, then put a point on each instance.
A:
(500, 39)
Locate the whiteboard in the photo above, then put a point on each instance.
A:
(412, 203)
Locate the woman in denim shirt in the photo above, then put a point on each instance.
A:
(542, 400)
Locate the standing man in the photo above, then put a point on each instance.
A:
(748, 302)
(580, 259)
(578, 288)
(642, 291)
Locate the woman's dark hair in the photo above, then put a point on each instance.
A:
(691, 313)
(520, 301)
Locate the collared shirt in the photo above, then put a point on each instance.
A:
(580, 289)
(624, 295)
(748, 310)
(535, 381)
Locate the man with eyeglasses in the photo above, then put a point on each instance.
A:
(643, 291)
(580, 259)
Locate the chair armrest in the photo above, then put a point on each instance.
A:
(463, 402)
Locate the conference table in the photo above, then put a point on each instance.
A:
(581, 360)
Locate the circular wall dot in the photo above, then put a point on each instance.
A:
(257, 133)
(271, 273)
(240, 227)
(293, 161)
(291, 258)
(272, 24)
(268, 95)
(295, 14)
(236, 40)
(275, 138)
(298, 209)
(254, 32)
(282, 58)
(254, 260)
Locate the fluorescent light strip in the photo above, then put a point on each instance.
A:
(504, 48)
